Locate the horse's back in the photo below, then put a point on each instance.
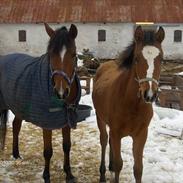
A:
(19, 74)
(15, 60)
(106, 68)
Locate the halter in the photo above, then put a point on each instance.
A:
(144, 79)
(64, 75)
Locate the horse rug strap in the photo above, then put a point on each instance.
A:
(26, 89)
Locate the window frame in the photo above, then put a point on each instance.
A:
(22, 37)
(101, 35)
(177, 36)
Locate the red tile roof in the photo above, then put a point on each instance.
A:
(35, 11)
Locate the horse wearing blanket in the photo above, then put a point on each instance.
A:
(43, 90)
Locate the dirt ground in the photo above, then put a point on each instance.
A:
(85, 154)
(85, 149)
(85, 157)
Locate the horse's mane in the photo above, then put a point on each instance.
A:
(126, 57)
(60, 38)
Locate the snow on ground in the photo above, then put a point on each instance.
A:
(163, 153)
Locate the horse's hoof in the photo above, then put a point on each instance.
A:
(46, 177)
(17, 157)
(102, 181)
(73, 180)
(46, 181)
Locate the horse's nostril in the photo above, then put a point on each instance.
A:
(66, 93)
(145, 95)
(154, 97)
(56, 93)
(150, 97)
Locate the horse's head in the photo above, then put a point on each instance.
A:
(148, 55)
(62, 53)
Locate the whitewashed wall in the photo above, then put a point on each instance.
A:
(172, 50)
(118, 36)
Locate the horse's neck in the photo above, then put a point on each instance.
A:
(130, 98)
(129, 87)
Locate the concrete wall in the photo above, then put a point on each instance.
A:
(172, 50)
(118, 36)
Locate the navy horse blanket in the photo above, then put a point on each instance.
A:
(26, 89)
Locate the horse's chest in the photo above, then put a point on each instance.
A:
(129, 122)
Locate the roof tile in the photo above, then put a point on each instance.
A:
(35, 11)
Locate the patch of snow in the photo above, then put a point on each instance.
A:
(79, 62)
(180, 73)
(163, 154)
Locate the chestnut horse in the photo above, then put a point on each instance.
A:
(61, 52)
(123, 94)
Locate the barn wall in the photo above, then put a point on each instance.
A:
(172, 50)
(36, 39)
(118, 36)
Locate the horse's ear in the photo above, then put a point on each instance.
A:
(160, 35)
(73, 32)
(49, 30)
(139, 34)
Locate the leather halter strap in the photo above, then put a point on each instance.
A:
(64, 75)
(146, 79)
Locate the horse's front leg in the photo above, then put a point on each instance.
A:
(138, 147)
(47, 137)
(17, 123)
(66, 148)
(115, 141)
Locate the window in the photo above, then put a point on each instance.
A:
(177, 36)
(101, 35)
(22, 35)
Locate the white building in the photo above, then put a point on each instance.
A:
(104, 26)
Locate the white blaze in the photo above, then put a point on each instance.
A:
(150, 53)
(62, 55)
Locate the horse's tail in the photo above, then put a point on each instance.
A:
(3, 127)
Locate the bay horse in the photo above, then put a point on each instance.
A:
(60, 62)
(123, 94)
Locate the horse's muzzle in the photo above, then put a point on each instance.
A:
(150, 97)
(65, 94)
